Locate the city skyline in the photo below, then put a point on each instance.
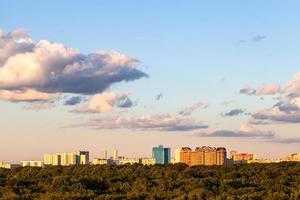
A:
(190, 74)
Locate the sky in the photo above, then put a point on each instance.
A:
(131, 75)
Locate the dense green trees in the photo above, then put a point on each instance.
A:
(252, 181)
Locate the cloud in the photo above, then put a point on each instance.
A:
(226, 103)
(294, 85)
(159, 96)
(104, 102)
(268, 90)
(287, 107)
(247, 131)
(74, 100)
(244, 131)
(246, 90)
(125, 103)
(165, 122)
(233, 112)
(275, 115)
(258, 38)
(189, 110)
(39, 106)
(49, 67)
(13, 43)
(286, 140)
(27, 95)
(265, 90)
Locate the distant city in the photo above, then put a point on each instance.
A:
(204, 155)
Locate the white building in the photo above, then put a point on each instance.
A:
(105, 154)
(123, 161)
(147, 161)
(67, 158)
(31, 163)
(100, 161)
(177, 155)
(5, 165)
(115, 155)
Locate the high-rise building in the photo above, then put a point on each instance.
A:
(203, 156)
(82, 157)
(56, 159)
(115, 155)
(177, 155)
(105, 154)
(241, 157)
(67, 158)
(161, 155)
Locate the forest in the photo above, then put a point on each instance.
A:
(178, 181)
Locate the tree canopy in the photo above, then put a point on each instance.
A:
(247, 181)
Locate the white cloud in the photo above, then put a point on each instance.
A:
(268, 90)
(105, 102)
(53, 68)
(27, 95)
(294, 85)
(39, 106)
(264, 90)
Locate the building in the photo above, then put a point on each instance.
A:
(161, 155)
(5, 165)
(115, 155)
(296, 157)
(203, 156)
(105, 154)
(241, 157)
(31, 163)
(147, 161)
(177, 155)
(124, 161)
(100, 161)
(67, 158)
(292, 157)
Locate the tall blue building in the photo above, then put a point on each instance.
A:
(161, 155)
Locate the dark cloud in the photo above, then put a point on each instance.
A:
(125, 103)
(287, 107)
(258, 38)
(233, 112)
(278, 117)
(159, 96)
(189, 110)
(74, 100)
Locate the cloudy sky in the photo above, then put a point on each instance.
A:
(132, 75)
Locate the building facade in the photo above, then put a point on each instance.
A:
(67, 158)
(31, 163)
(203, 156)
(147, 161)
(241, 157)
(5, 165)
(161, 155)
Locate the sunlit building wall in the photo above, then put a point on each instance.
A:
(203, 156)
(31, 163)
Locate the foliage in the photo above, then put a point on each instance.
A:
(250, 181)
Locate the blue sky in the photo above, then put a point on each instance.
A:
(200, 51)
